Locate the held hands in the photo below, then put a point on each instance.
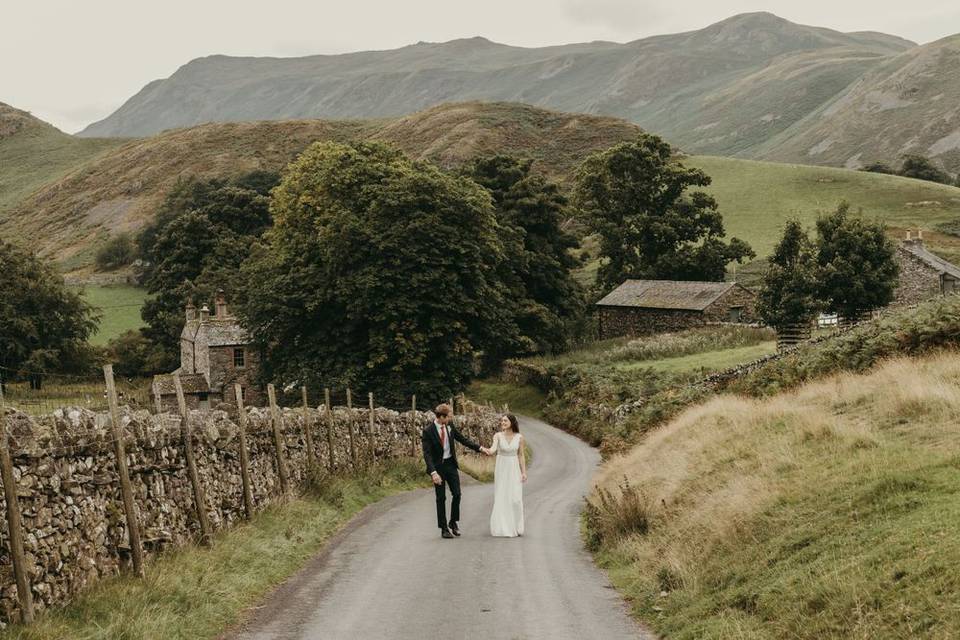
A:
(485, 451)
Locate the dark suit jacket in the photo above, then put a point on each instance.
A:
(433, 448)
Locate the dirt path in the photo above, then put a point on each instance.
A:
(390, 575)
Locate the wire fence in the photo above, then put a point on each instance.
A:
(40, 393)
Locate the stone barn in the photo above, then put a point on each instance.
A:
(644, 307)
(215, 354)
(923, 275)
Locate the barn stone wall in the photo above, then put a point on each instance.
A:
(917, 282)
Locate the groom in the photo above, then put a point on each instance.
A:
(440, 454)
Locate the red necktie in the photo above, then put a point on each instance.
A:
(443, 435)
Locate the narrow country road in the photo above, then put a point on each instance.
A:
(390, 575)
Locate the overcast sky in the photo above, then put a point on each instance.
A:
(71, 62)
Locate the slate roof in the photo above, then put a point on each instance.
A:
(666, 294)
(192, 383)
(225, 333)
(916, 249)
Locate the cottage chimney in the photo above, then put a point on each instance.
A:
(204, 313)
(221, 304)
(191, 312)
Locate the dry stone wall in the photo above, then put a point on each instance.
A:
(69, 495)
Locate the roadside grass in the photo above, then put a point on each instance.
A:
(829, 511)
(195, 593)
(119, 307)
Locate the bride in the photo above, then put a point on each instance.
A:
(506, 521)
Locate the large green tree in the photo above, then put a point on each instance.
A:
(380, 273)
(202, 234)
(788, 295)
(546, 300)
(857, 267)
(44, 326)
(637, 198)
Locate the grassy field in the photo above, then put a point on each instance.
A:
(707, 361)
(522, 399)
(825, 512)
(196, 593)
(120, 308)
(756, 198)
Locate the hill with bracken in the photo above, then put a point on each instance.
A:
(34, 153)
(908, 104)
(121, 190)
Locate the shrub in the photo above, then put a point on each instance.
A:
(119, 251)
(614, 517)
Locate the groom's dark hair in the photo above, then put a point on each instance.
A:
(442, 410)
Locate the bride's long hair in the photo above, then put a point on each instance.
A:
(513, 422)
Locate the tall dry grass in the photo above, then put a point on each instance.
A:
(791, 516)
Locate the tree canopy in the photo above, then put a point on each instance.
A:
(200, 238)
(44, 326)
(856, 263)
(636, 197)
(547, 302)
(788, 294)
(380, 273)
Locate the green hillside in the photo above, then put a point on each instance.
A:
(33, 154)
(756, 198)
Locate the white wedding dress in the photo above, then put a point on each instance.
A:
(506, 521)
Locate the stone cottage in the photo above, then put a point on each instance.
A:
(215, 354)
(923, 275)
(644, 307)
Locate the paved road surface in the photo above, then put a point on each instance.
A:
(390, 575)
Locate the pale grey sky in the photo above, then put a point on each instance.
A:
(71, 62)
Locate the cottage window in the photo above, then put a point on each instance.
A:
(239, 360)
(736, 314)
(203, 396)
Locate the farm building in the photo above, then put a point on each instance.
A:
(215, 354)
(644, 307)
(923, 275)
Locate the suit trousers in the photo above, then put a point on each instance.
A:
(450, 476)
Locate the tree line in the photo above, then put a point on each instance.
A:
(358, 266)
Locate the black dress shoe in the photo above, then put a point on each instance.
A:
(446, 534)
(454, 529)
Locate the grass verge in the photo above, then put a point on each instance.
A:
(829, 511)
(195, 593)
(522, 399)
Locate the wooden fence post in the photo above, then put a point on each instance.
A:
(156, 397)
(198, 498)
(276, 419)
(329, 416)
(14, 524)
(307, 431)
(353, 446)
(244, 455)
(133, 527)
(373, 439)
(413, 425)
